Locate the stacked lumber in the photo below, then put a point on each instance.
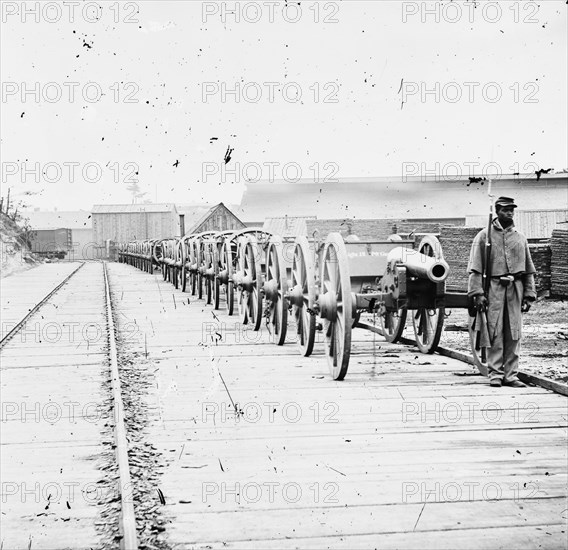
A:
(456, 244)
(559, 263)
(376, 229)
(407, 227)
(541, 256)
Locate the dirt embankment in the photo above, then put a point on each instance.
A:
(544, 348)
(15, 253)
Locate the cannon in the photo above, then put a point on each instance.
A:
(205, 247)
(167, 258)
(261, 282)
(227, 263)
(225, 256)
(334, 282)
(137, 253)
(309, 286)
(191, 256)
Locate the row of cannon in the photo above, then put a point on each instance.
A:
(310, 285)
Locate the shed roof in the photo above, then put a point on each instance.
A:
(132, 208)
(196, 214)
(397, 197)
(193, 213)
(287, 226)
(198, 221)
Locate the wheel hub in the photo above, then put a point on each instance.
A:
(246, 282)
(328, 306)
(223, 276)
(271, 290)
(296, 296)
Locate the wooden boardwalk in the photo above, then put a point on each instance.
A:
(52, 409)
(22, 291)
(262, 449)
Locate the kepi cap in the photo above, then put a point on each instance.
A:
(505, 201)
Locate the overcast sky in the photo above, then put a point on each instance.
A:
(369, 59)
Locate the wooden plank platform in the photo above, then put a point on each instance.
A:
(20, 292)
(262, 449)
(52, 417)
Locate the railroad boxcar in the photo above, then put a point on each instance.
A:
(51, 243)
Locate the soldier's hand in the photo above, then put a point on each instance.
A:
(481, 303)
(525, 305)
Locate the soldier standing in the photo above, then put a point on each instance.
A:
(511, 291)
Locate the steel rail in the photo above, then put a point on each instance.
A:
(526, 377)
(128, 518)
(19, 325)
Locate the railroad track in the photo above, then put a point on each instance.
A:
(368, 441)
(6, 338)
(126, 518)
(320, 286)
(528, 378)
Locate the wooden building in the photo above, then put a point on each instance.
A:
(198, 219)
(126, 222)
(398, 198)
(534, 224)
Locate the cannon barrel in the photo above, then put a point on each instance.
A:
(419, 265)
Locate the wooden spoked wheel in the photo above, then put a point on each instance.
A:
(183, 277)
(193, 266)
(148, 257)
(198, 264)
(176, 254)
(302, 296)
(157, 254)
(208, 290)
(428, 323)
(392, 324)
(216, 290)
(250, 283)
(335, 305)
(479, 355)
(186, 264)
(211, 271)
(216, 283)
(217, 270)
(169, 257)
(210, 286)
(206, 265)
(275, 289)
(183, 269)
(226, 272)
(199, 282)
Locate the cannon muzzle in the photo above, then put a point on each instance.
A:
(418, 264)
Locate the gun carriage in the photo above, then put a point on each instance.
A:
(319, 286)
(167, 258)
(261, 282)
(338, 281)
(140, 254)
